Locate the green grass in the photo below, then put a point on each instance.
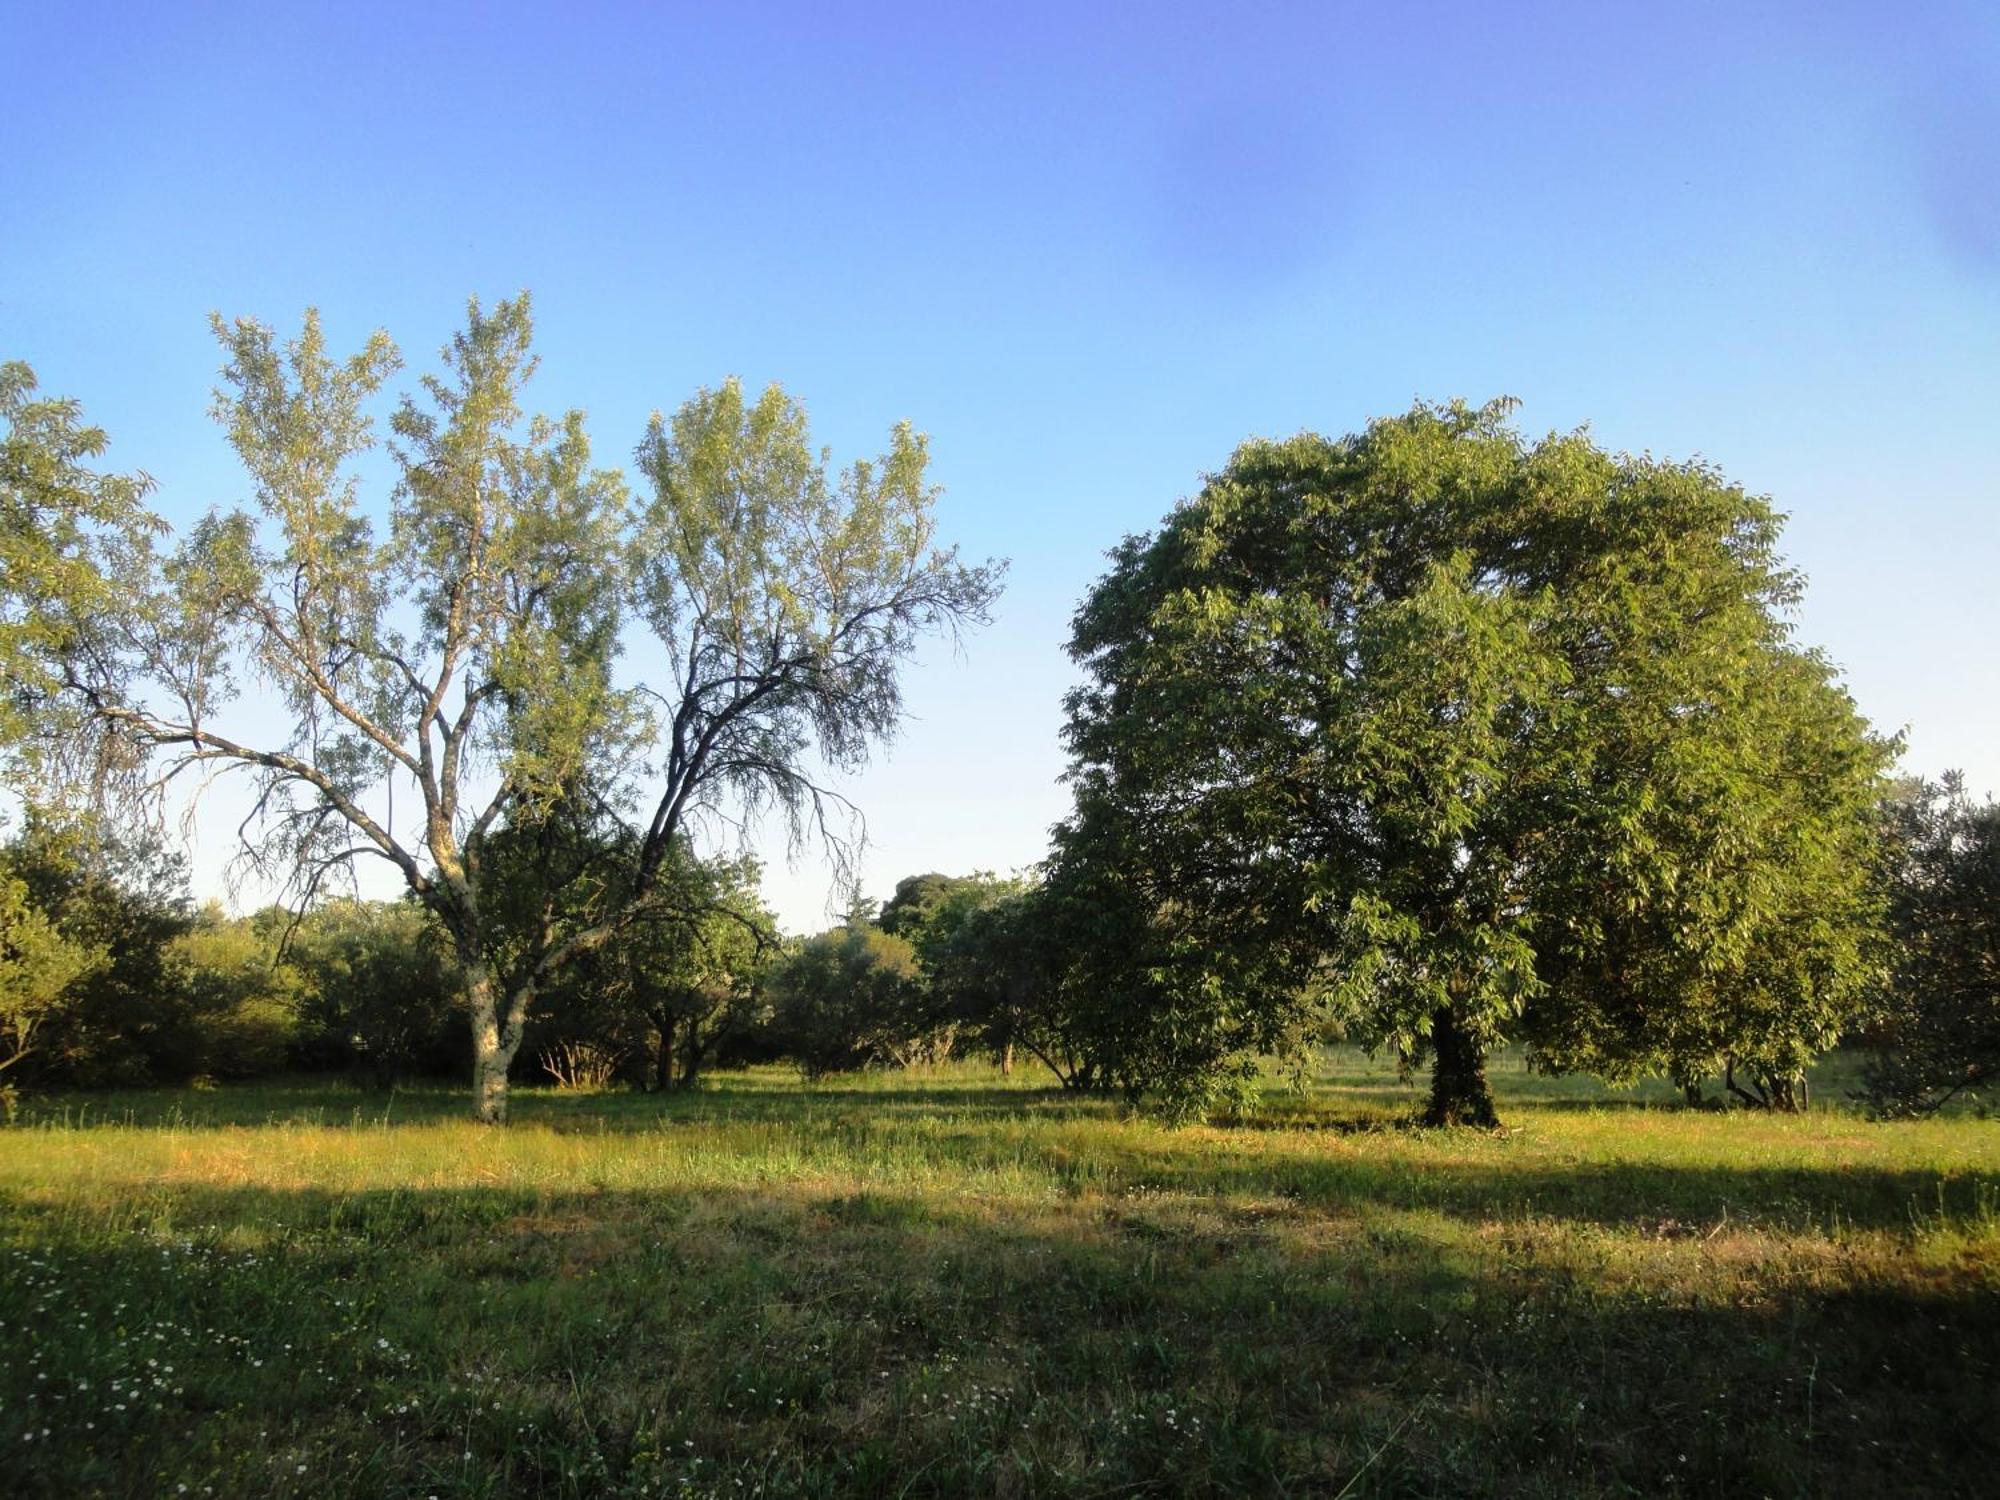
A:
(952, 1283)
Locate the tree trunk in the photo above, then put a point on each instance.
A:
(1007, 1059)
(1782, 1091)
(1459, 1094)
(1758, 1100)
(490, 1057)
(692, 1066)
(663, 1062)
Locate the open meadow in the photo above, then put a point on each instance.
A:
(952, 1283)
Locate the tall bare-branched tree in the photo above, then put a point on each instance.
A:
(575, 680)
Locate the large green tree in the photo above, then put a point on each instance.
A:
(1449, 732)
(513, 643)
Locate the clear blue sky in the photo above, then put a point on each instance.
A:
(1088, 249)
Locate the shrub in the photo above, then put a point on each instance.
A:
(1939, 1037)
(852, 998)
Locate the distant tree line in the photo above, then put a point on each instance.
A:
(114, 977)
(1429, 737)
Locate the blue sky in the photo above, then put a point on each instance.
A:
(1088, 249)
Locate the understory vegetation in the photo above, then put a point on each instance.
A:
(947, 1282)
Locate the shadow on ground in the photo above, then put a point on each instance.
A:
(861, 1342)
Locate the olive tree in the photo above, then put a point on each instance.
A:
(516, 638)
(1449, 733)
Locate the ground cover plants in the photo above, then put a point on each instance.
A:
(947, 1282)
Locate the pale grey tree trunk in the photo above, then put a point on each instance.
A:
(491, 1057)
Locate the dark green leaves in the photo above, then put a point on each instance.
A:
(1431, 722)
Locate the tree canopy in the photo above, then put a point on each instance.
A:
(542, 658)
(39, 969)
(1444, 733)
(1431, 734)
(63, 525)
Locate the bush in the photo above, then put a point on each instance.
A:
(125, 1020)
(1939, 1036)
(377, 991)
(582, 1067)
(854, 998)
(234, 1002)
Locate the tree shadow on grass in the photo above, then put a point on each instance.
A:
(1321, 1165)
(861, 1342)
(1674, 1199)
(335, 1102)
(1350, 1091)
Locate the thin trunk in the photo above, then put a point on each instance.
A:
(692, 1065)
(1459, 1093)
(1729, 1082)
(1781, 1092)
(663, 1063)
(1007, 1058)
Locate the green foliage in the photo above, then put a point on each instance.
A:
(681, 991)
(783, 598)
(854, 998)
(700, 982)
(487, 649)
(1939, 1036)
(1017, 965)
(376, 990)
(238, 1002)
(1443, 733)
(931, 902)
(986, 956)
(111, 979)
(1145, 999)
(62, 527)
(148, 991)
(953, 959)
(39, 970)
(124, 1018)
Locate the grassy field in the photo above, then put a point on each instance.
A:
(952, 1284)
